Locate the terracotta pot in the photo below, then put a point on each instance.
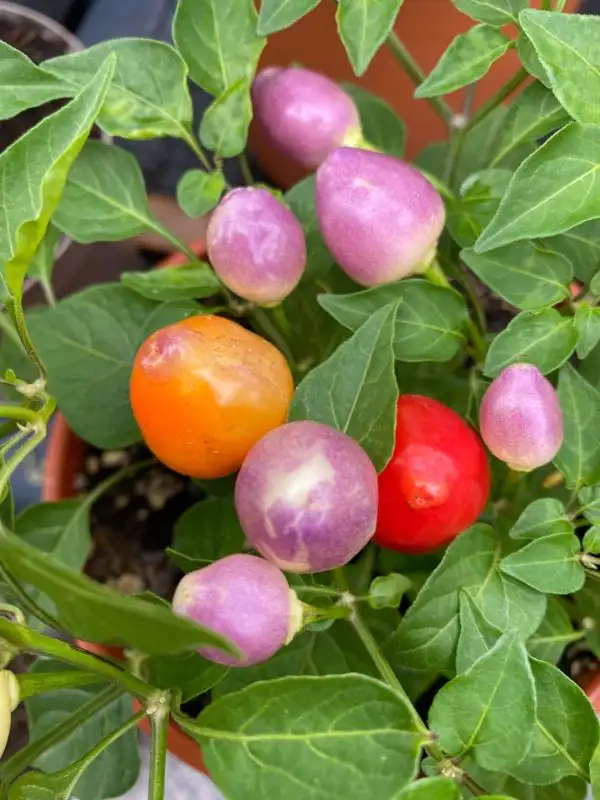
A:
(64, 459)
(426, 27)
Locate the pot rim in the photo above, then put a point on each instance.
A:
(73, 42)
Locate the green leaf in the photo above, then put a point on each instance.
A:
(581, 245)
(524, 274)
(386, 591)
(567, 48)
(218, 40)
(595, 773)
(363, 27)
(95, 613)
(545, 339)
(33, 172)
(24, 84)
(587, 325)
(566, 789)
(591, 540)
(529, 59)
(579, 457)
(589, 497)
(477, 634)
(141, 103)
(496, 698)
(553, 190)
(355, 390)
(554, 634)
(566, 732)
(43, 262)
(188, 673)
(381, 126)
(468, 59)
(275, 15)
(60, 529)
(88, 343)
(115, 770)
(550, 564)
(301, 201)
(225, 123)
(198, 192)
(207, 531)
(427, 635)
(533, 114)
(429, 318)
(477, 201)
(430, 789)
(493, 12)
(190, 281)
(305, 737)
(544, 517)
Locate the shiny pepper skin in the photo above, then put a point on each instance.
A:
(204, 391)
(437, 482)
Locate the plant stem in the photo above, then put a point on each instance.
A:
(19, 413)
(159, 720)
(518, 78)
(15, 765)
(30, 641)
(177, 243)
(417, 76)
(48, 291)
(194, 145)
(15, 308)
(31, 684)
(271, 330)
(13, 462)
(26, 602)
(246, 171)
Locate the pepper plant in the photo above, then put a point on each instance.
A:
(384, 381)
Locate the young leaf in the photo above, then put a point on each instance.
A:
(579, 457)
(190, 281)
(567, 48)
(589, 497)
(581, 245)
(114, 770)
(301, 201)
(355, 390)
(587, 324)
(566, 730)
(430, 789)
(105, 197)
(33, 172)
(225, 123)
(95, 613)
(43, 261)
(24, 84)
(496, 698)
(545, 339)
(60, 529)
(533, 114)
(523, 274)
(471, 563)
(304, 737)
(363, 28)
(477, 202)
(381, 126)
(189, 673)
(141, 103)
(493, 12)
(88, 343)
(529, 59)
(477, 634)
(276, 15)
(386, 591)
(554, 634)
(468, 59)
(218, 41)
(550, 564)
(205, 532)
(553, 190)
(543, 517)
(198, 192)
(429, 318)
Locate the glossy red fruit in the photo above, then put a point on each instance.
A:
(437, 482)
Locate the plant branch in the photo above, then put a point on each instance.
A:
(518, 78)
(26, 602)
(246, 171)
(417, 76)
(15, 308)
(15, 765)
(159, 721)
(194, 145)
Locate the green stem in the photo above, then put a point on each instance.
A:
(19, 413)
(31, 684)
(102, 745)
(30, 641)
(15, 765)
(268, 327)
(159, 720)
(246, 171)
(48, 291)
(518, 78)
(15, 308)
(194, 145)
(17, 458)
(177, 243)
(27, 603)
(417, 76)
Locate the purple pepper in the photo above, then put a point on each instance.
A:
(306, 497)
(247, 600)
(304, 114)
(381, 219)
(256, 246)
(520, 418)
